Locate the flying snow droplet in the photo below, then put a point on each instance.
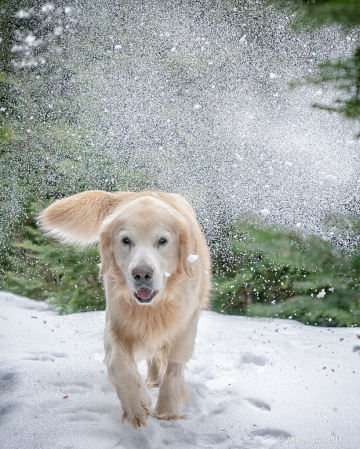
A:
(265, 212)
(30, 39)
(47, 7)
(98, 357)
(197, 106)
(166, 274)
(273, 76)
(321, 294)
(22, 14)
(117, 47)
(192, 258)
(243, 39)
(288, 164)
(328, 181)
(238, 157)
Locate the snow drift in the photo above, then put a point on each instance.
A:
(253, 383)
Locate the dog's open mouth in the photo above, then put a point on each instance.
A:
(145, 295)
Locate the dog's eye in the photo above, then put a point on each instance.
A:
(126, 241)
(162, 241)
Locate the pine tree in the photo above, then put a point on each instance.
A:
(33, 129)
(275, 272)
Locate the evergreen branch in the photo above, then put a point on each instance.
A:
(345, 13)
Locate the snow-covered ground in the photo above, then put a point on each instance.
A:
(253, 383)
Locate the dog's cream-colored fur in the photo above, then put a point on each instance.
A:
(162, 331)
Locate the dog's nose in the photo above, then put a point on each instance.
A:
(142, 273)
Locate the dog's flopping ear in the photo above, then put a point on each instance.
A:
(105, 248)
(186, 248)
(78, 218)
(106, 253)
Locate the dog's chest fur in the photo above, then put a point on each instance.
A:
(146, 330)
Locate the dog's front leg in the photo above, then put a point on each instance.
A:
(172, 390)
(123, 374)
(153, 375)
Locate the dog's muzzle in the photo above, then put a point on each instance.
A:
(145, 295)
(142, 275)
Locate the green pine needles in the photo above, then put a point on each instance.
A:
(41, 268)
(269, 271)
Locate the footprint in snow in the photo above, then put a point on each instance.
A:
(257, 403)
(63, 384)
(7, 381)
(264, 439)
(45, 356)
(258, 360)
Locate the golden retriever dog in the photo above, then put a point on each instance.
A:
(157, 278)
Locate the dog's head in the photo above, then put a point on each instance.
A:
(144, 237)
(150, 242)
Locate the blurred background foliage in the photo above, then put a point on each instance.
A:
(42, 268)
(47, 152)
(270, 271)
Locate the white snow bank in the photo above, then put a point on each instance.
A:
(252, 383)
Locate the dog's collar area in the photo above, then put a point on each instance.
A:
(145, 301)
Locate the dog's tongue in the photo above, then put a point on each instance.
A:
(144, 293)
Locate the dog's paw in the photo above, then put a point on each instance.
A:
(168, 409)
(137, 411)
(169, 416)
